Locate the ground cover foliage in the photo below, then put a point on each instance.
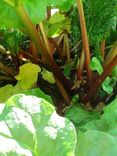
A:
(58, 57)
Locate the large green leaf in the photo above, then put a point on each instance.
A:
(33, 124)
(13, 2)
(95, 143)
(36, 10)
(108, 120)
(10, 147)
(79, 116)
(8, 17)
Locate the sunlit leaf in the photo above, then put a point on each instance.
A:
(27, 79)
(28, 75)
(33, 125)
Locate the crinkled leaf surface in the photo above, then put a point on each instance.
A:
(96, 143)
(34, 125)
(98, 26)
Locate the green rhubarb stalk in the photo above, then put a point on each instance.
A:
(111, 55)
(67, 48)
(84, 38)
(103, 49)
(59, 84)
(80, 66)
(44, 36)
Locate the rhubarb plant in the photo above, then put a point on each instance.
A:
(49, 38)
(30, 123)
(23, 15)
(30, 126)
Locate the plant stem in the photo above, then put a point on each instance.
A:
(59, 84)
(33, 51)
(81, 66)
(40, 46)
(57, 48)
(103, 48)
(6, 78)
(48, 13)
(44, 36)
(107, 70)
(67, 48)
(25, 55)
(2, 49)
(63, 91)
(7, 70)
(111, 55)
(84, 38)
